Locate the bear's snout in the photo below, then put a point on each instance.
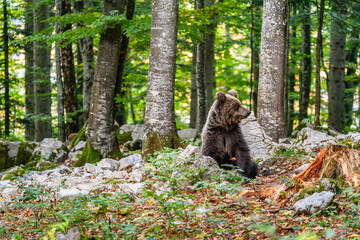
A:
(249, 112)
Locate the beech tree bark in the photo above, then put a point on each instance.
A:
(59, 83)
(292, 71)
(100, 130)
(160, 127)
(87, 55)
(255, 51)
(29, 76)
(318, 64)
(42, 85)
(200, 81)
(6, 69)
(272, 68)
(305, 81)
(68, 71)
(209, 41)
(120, 107)
(336, 85)
(193, 103)
(352, 80)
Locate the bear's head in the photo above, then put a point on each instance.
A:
(229, 109)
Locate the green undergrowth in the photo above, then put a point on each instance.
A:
(286, 154)
(176, 203)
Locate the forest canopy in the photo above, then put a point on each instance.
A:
(67, 34)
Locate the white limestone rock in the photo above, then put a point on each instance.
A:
(126, 128)
(68, 193)
(308, 138)
(51, 150)
(314, 203)
(138, 132)
(301, 168)
(188, 133)
(108, 164)
(133, 190)
(259, 143)
(134, 160)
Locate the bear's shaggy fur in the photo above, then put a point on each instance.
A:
(222, 138)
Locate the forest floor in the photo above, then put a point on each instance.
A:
(205, 210)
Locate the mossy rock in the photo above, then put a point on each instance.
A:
(23, 155)
(124, 137)
(133, 145)
(40, 165)
(337, 184)
(157, 143)
(13, 175)
(309, 191)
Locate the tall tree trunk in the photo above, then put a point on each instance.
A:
(132, 112)
(29, 76)
(87, 54)
(79, 65)
(68, 70)
(79, 73)
(336, 86)
(209, 41)
(42, 85)
(59, 83)
(255, 52)
(286, 74)
(160, 127)
(120, 107)
(272, 68)
(200, 81)
(193, 104)
(352, 80)
(292, 71)
(318, 64)
(6, 69)
(256, 73)
(100, 132)
(305, 81)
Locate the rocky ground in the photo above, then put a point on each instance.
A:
(178, 194)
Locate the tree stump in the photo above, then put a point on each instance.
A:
(336, 162)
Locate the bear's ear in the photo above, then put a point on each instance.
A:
(233, 93)
(220, 96)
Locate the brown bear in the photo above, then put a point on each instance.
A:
(222, 138)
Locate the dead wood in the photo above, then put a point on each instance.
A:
(335, 162)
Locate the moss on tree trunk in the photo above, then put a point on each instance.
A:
(79, 137)
(156, 143)
(90, 154)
